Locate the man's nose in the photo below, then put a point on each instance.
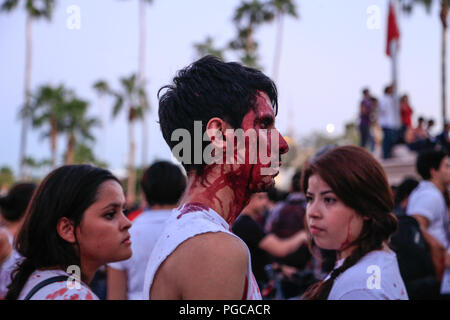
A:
(284, 147)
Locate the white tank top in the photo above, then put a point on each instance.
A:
(186, 222)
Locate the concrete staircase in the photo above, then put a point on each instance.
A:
(400, 166)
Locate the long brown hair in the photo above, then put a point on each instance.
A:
(360, 182)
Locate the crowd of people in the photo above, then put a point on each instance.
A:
(222, 230)
(388, 122)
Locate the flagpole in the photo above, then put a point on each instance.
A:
(393, 46)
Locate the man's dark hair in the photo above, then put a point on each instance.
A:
(365, 91)
(210, 88)
(163, 183)
(387, 89)
(404, 189)
(429, 160)
(296, 181)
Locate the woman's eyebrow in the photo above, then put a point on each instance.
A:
(114, 205)
(322, 192)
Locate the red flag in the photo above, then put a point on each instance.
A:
(392, 29)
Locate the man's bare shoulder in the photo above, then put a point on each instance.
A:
(207, 266)
(209, 248)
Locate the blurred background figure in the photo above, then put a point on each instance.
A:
(389, 120)
(365, 119)
(163, 184)
(12, 207)
(417, 139)
(287, 218)
(413, 256)
(443, 139)
(428, 204)
(430, 126)
(406, 114)
(263, 245)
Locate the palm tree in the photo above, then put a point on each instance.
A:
(443, 14)
(280, 8)
(134, 96)
(77, 125)
(35, 9)
(248, 16)
(83, 154)
(141, 74)
(208, 48)
(47, 110)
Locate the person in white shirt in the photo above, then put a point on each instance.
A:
(389, 120)
(12, 207)
(75, 223)
(349, 211)
(428, 203)
(163, 184)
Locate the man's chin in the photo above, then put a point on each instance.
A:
(266, 183)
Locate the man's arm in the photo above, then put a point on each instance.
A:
(282, 247)
(5, 247)
(437, 250)
(207, 266)
(116, 284)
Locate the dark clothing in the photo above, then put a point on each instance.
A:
(390, 137)
(251, 233)
(414, 260)
(443, 141)
(365, 112)
(288, 219)
(365, 116)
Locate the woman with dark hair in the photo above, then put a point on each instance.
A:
(12, 209)
(349, 205)
(74, 224)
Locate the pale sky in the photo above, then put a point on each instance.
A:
(329, 54)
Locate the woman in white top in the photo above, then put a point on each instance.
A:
(74, 224)
(349, 205)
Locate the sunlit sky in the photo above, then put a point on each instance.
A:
(329, 54)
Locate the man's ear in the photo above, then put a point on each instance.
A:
(215, 130)
(432, 173)
(66, 230)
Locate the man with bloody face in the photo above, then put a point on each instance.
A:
(196, 256)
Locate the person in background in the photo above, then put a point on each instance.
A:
(406, 114)
(163, 184)
(261, 244)
(349, 211)
(389, 120)
(74, 224)
(365, 118)
(414, 260)
(429, 129)
(443, 139)
(287, 218)
(12, 209)
(428, 204)
(418, 139)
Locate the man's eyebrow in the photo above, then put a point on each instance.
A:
(267, 117)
